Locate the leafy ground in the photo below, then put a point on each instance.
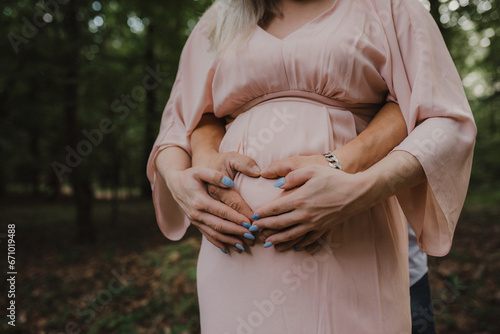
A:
(465, 283)
(133, 280)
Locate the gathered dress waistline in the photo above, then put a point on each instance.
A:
(360, 109)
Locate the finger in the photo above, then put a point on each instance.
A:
(279, 168)
(285, 202)
(265, 233)
(311, 238)
(248, 242)
(218, 223)
(227, 213)
(214, 242)
(297, 177)
(317, 245)
(243, 164)
(229, 240)
(292, 244)
(231, 198)
(207, 233)
(212, 176)
(313, 248)
(280, 221)
(205, 203)
(290, 234)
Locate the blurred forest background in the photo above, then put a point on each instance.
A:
(82, 87)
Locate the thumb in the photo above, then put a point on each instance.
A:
(279, 168)
(295, 178)
(244, 164)
(212, 176)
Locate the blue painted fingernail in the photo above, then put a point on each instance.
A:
(240, 247)
(227, 181)
(223, 251)
(246, 225)
(253, 228)
(280, 182)
(268, 244)
(249, 236)
(255, 217)
(297, 249)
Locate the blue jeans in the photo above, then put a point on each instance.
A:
(422, 318)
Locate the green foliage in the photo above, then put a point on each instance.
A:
(115, 43)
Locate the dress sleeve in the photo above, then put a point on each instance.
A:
(423, 80)
(190, 98)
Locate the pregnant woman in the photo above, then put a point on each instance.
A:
(294, 80)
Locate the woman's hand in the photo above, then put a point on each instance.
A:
(214, 219)
(205, 143)
(326, 196)
(282, 168)
(228, 163)
(316, 198)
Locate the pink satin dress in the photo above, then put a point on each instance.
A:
(309, 93)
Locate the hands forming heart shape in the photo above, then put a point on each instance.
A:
(297, 218)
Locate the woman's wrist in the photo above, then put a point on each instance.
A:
(373, 185)
(170, 160)
(344, 160)
(171, 175)
(398, 171)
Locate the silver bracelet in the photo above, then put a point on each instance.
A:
(332, 160)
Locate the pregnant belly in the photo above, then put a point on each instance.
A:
(279, 129)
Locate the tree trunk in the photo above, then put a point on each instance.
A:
(82, 193)
(35, 155)
(150, 114)
(115, 181)
(55, 185)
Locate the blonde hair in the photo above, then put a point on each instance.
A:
(232, 20)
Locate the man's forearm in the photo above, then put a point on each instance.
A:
(384, 132)
(207, 136)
